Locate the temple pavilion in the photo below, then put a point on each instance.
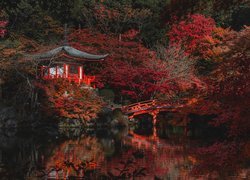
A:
(66, 62)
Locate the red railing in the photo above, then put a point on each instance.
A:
(149, 105)
(88, 80)
(143, 105)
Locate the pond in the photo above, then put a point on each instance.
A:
(102, 154)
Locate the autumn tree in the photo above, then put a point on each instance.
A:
(201, 40)
(190, 32)
(125, 54)
(228, 100)
(180, 67)
(135, 72)
(126, 70)
(231, 83)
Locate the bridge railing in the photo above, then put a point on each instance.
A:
(138, 106)
(139, 103)
(153, 104)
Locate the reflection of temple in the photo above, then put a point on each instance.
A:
(160, 158)
(66, 62)
(74, 158)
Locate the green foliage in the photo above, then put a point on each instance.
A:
(107, 94)
(219, 10)
(52, 14)
(25, 15)
(152, 33)
(204, 67)
(241, 17)
(153, 30)
(148, 16)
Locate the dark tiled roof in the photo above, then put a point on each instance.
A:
(72, 52)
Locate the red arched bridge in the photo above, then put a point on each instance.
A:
(153, 107)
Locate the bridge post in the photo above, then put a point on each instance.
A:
(154, 115)
(130, 117)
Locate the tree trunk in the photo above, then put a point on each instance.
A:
(1, 91)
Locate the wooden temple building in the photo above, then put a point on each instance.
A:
(66, 62)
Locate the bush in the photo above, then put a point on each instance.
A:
(69, 100)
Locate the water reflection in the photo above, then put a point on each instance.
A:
(105, 154)
(73, 158)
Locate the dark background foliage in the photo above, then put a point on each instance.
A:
(25, 15)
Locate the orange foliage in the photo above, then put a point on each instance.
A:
(68, 100)
(214, 45)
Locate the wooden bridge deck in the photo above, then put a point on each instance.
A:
(149, 106)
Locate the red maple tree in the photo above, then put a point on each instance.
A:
(125, 69)
(190, 32)
(131, 69)
(232, 86)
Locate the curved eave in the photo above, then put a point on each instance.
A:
(68, 52)
(81, 54)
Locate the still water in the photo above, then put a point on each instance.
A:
(102, 154)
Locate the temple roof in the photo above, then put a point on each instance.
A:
(69, 51)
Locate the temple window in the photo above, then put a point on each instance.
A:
(73, 69)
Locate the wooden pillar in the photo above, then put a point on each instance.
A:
(88, 82)
(131, 117)
(120, 37)
(139, 144)
(154, 114)
(40, 73)
(43, 69)
(56, 72)
(57, 176)
(66, 70)
(80, 74)
(1, 91)
(48, 72)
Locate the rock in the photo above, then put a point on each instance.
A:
(70, 123)
(105, 116)
(8, 117)
(119, 119)
(107, 94)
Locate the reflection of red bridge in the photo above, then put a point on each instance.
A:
(145, 142)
